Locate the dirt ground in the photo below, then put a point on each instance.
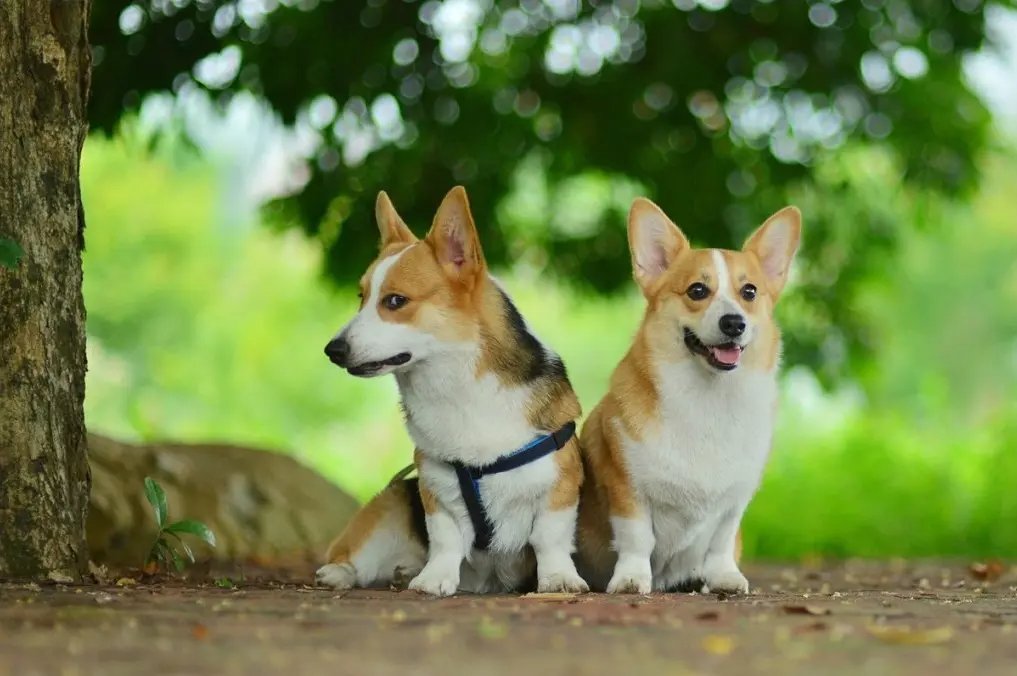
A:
(851, 618)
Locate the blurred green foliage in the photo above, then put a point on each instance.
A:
(202, 331)
(196, 331)
(714, 106)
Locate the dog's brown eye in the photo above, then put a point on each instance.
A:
(394, 301)
(749, 292)
(697, 291)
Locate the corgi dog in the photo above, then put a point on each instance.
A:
(675, 450)
(489, 408)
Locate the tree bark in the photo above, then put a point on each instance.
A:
(45, 67)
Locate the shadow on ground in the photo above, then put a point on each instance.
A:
(855, 618)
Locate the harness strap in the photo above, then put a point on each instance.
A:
(469, 477)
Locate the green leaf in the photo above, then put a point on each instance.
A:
(184, 545)
(157, 498)
(178, 561)
(161, 552)
(10, 253)
(194, 528)
(166, 555)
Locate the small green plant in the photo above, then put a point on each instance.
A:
(224, 583)
(164, 551)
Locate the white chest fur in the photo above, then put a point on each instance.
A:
(702, 458)
(454, 415)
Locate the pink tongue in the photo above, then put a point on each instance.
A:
(726, 355)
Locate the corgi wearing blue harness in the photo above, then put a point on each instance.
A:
(490, 410)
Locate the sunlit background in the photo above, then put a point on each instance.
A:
(207, 312)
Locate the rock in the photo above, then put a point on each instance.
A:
(262, 506)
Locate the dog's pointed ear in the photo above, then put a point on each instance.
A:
(453, 237)
(390, 224)
(654, 240)
(775, 243)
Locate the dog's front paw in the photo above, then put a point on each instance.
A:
(564, 581)
(337, 575)
(727, 582)
(631, 577)
(434, 584)
(629, 584)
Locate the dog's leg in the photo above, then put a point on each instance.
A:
(633, 540)
(553, 533)
(447, 549)
(720, 570)
(377, 542)
(553, 541)
(387, 553)
(629, 515)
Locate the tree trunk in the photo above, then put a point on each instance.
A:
(44, 78)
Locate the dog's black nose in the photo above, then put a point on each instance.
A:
(338, 350)
(732, 325)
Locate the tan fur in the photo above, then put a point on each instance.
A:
(565, 492)
(393, 499)
(499, 353)
(391, 227)
(630, 402)
(427, 498)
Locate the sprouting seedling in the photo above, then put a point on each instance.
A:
(164, 551)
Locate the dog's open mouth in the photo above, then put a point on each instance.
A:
(724, 357)
(372, 367)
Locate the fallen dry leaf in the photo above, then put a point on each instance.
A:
(716, 644)
(806, 609)
(550, 596)
(990, 571)
(905, 635)
(126, 582)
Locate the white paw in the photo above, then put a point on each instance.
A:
(631, 576)
(563, 581)
(434, 584)
(338, 575)
(728, 582)
(629, 584)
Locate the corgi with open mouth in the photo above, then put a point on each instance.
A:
(676, 448)
(489, 408)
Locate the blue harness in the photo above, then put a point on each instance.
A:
(469, 477)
